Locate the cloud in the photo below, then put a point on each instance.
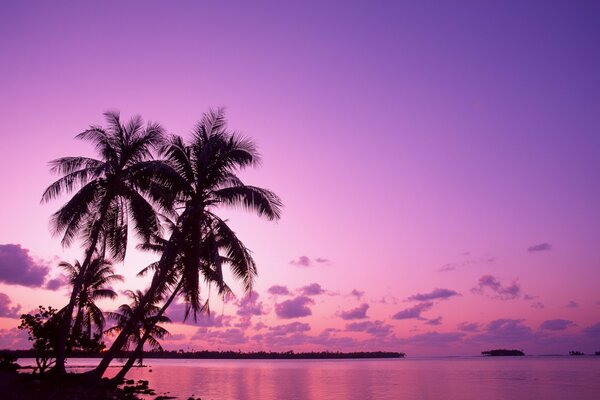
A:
(540, 247)
(14, 339)
(359, 312)
(468, 327)
(279, 290)
(537, 304)
(505, 332)
(292, 327)
(592, 331)
(436, 294)
(314, 289)
(572, 304)
(556, 324)
(17, 267)
(227, 337)
(302, 261)
(434, 321)
(488, 283)
(413, 312)
(435, 339)
(294, 308)
(358, 294)
(56, 283)
(176, 312)
(249, 305)
(6, 310)
(375, 328)
(447, 268)
(306, 262)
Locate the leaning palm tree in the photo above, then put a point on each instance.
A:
(89, 319)
(108, 191)
(206, 180)
(217, 239)
(146, 327)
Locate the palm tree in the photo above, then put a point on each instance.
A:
(89, 321)
(206, 179)
(108, 191)
(146, 327)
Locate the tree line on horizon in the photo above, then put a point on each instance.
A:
(165, 189)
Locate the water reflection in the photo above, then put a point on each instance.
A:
(520, 378)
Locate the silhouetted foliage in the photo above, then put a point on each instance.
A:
(8, 361)
(43, 329)
(576, 353)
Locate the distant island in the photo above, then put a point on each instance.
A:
(502, 352)
(576, 353)
(235, 355)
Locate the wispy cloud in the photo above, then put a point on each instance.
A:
(7, 309)
(306, 262)
(413, 312)
(468, 326)
(314, 289)
(556, 324)
(375, 328)
(359, 312)
(491, 284)
(572, 304)
(540, 247)
(436, 294)
(279, 290)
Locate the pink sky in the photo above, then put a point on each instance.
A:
(439, 161)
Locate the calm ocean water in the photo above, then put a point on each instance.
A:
(460, 378)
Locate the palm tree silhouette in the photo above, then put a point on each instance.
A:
(89, 321)
(108, 192)
(146, 327)
(206, 179)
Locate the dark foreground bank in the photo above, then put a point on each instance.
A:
(25, 386)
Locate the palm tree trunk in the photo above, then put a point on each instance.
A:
(139, 350)
(61, 348)
(166, 263)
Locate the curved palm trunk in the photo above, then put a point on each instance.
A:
(61, 350)
(139, 350)
(166, 263)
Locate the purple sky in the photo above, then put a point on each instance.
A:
(439, 163)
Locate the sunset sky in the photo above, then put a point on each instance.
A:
(439, 163)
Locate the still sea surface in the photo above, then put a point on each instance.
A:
(449, 378)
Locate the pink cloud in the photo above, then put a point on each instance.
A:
(250, 306)
(314, 289)
(556, 324)
(14, 339)
(491, 284)
(306, 262)
(294, 308)
(292, 327)
(375, 328)
(279, 290)
(302, 261)
(17, 267)
(436, 294)
(6, 310)
(413, 312)
(359, 312)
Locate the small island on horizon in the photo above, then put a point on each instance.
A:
(502, 352)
